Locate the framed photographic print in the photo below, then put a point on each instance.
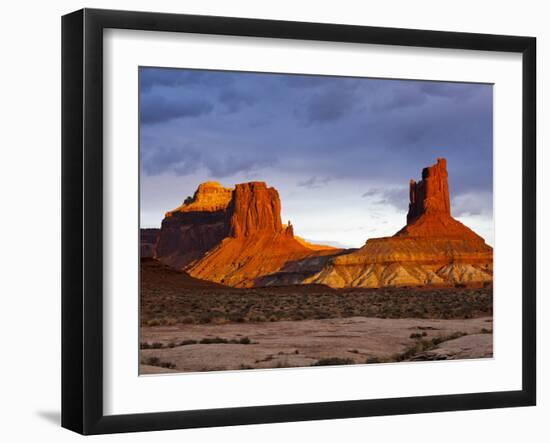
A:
(268, 221)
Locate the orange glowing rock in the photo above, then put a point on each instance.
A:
(236, 237)
(431, 249)
(232, 236)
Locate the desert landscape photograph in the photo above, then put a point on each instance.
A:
(292, 220)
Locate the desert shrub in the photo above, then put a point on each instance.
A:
(486, 331)
(423, 345)
(144, 345)
(186, 320)
(245, 341)
(333, 361)
(156, 361)
(188, 342)
(441, 339)
(156, 345)
(209, 341)
(160, 305)
(415, 335)
(372, 360)
(153, 361)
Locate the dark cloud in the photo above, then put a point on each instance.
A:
(399, 99)
(231, 165)
(314, 182)
(307, 81)
(157, 109)
(163, 77)
(395, 197)
(328, 106)
(459, 91)
(313, 127)
(149, 77)
(186, 161)
(179, 161)
(235, 100)
(336, 100)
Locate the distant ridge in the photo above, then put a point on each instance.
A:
(235, 236)
(231, 236)
(432, 248)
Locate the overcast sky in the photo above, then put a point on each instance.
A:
(339, 150)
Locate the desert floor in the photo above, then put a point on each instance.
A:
(332, 341)
(190, 325)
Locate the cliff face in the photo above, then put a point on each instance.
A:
(433, 247)
(148, 242)
(231, 236)
(236, 237)
(257, 243)
(430, 208)
(431, 194)
(255, 209)
(195, 227)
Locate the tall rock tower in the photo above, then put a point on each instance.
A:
(431, 194)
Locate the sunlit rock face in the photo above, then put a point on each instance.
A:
(209, 197)
(254, 209)
(431, 249)
(233, 236)
(431, 194)
(195, 227)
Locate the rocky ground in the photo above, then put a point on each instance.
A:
(352, 340)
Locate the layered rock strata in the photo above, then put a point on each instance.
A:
(232, 236)
(236, 237)
(432, 249)
(195, 227)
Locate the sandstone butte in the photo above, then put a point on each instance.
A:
(433, 248)
(236, 237)
(233, 236)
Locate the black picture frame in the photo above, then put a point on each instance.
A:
(82, 218)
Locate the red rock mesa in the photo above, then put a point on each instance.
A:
(233, 236)
(192, 229)
(433, 248)
(431, 194)
(236, 237)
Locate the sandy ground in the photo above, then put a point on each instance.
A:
(303, 343)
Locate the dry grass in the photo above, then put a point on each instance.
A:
(169, 297)
(156, 361)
